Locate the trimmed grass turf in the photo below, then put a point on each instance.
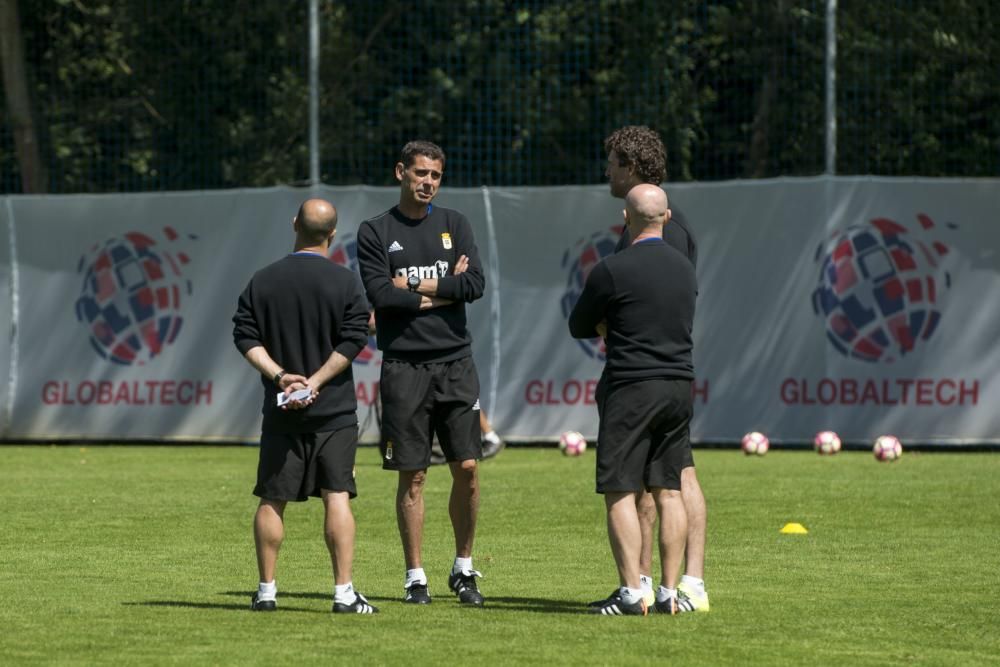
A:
(145, 555)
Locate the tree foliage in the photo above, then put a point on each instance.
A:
(138, 94)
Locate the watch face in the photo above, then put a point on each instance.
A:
(413, 281)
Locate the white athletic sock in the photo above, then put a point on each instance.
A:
(415, 576)
(647, 583)
(491, 437)
(344, 593)
(461, 565)
(694, 582)
(267, 590)
(630, 595)
(663, 593)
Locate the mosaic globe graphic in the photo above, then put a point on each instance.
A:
(345, 253)
(579, 261)
(131, 295)
(879, 289)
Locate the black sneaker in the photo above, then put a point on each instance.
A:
(417, 594)
(262, 605)
(615, 606)
(437, 454)
(464, 585)
(491, 449)
(359, 606)
(673, 606)
(615, 596)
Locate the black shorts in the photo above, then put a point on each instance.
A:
(643, 439)
(294, 466)
(421, 400)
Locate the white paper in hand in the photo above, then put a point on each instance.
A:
(297, 395)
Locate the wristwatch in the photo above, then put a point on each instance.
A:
(277, 377)
(413, 283)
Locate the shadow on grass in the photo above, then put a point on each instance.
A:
(283, 594)
(204, 605)
(540, 605)
(290, 594)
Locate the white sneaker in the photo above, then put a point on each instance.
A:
(698, 600)
(649, 597)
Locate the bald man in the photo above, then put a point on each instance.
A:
(300, 322)
(642, 301)
(636, 155)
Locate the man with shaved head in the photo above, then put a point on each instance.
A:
(300, 322)
(636, 155)
(642, 301)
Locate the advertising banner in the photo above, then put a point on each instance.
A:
(861, 305)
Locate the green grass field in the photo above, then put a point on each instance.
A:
(145, 555)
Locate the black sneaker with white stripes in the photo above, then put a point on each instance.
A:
(673, 606)
(359, 606)
(615, 606)
(417, 594)
(615, 596)
(492, 447)
(256, 604)
(437, 454)
(464, 585)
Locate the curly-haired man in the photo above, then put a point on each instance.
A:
(636, 155)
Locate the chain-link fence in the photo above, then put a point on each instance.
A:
(133, 95)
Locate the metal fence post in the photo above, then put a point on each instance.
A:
(314, 176)
(831, 87)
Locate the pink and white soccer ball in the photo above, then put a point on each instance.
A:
(887, 448)
(755, 442)
(826, 442)
(572, 443)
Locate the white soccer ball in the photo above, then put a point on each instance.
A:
(826, 442)
(755, 443)
(887, 448)
(571, 443)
